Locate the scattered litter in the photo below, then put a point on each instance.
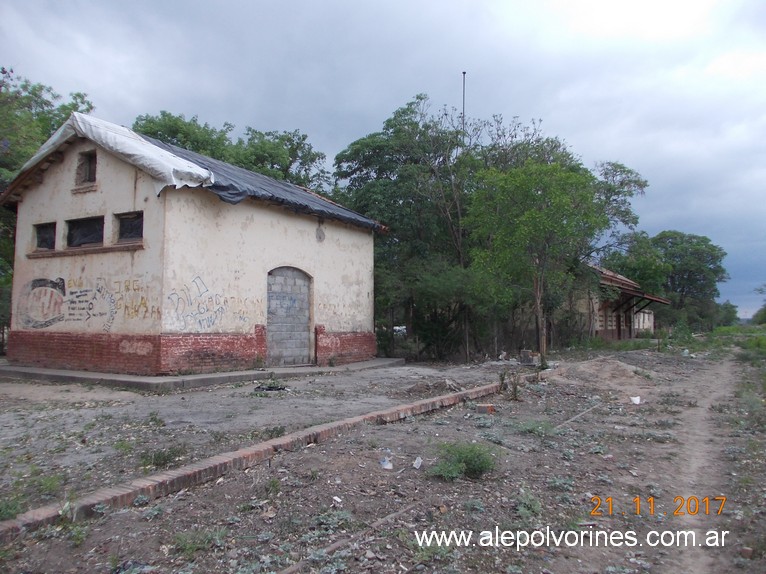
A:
(485, 409)
(418, 463)
(685, 353)
(337, 499)
(635, 400)
(386, 464)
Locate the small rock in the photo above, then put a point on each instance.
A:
(269, 513)
(746, 552)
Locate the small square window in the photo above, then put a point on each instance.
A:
(88, 231)
(86, 168)
(131, 226)
(45, 235)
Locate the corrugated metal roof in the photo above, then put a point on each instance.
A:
(173, 166)
(609, 278)
(233, 184)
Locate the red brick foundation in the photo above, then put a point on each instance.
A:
(139, 354)
(172, 354)
(341, 347)
(212, 352)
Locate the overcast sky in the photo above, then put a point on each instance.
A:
(674, 89)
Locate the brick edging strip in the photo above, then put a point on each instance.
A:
(200, 472)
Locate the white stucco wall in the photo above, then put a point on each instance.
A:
(217, 259)
(113, 291)
(202, 267)
(644, 320)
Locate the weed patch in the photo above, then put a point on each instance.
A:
(162, 458)
(462, 459)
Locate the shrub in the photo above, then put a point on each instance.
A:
(9, 508)
(462, 459)
(162, 458)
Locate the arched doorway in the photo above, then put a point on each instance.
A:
(288, 322)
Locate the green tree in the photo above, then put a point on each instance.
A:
(726, 315)
(188, 134)
(616, 186)
(634, 256)
(538, 221)
(413, 176)
(696, 266)
(423, 175)
(282, 155)
(29, 114)
(684, 268)
(759, 318)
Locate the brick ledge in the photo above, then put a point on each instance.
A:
(200, 472)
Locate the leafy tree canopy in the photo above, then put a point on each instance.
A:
(478, 211)
(636, 257)
(683, 267)
(538, 221)
(759, 318)
(29, 114)
(414, 176)
(282, 155)
(696, 266)
(727, 314)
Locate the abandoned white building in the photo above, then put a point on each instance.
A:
(135, 256)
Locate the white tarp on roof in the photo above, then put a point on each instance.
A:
(166, 168)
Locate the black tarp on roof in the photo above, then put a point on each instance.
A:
(234, 184)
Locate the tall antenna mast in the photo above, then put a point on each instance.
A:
(463, 115)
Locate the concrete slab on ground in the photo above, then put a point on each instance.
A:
(178, 382)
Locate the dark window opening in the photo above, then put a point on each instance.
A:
(131, 226)
(45, 235)
(86, 167)
(87, 231)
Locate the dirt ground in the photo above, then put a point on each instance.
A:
(574, 456)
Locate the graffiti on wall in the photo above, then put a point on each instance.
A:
(46, 302)
(78, 300)
(198, 309)
(133, 301)
(42, 303)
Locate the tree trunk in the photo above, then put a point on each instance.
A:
(540, 319)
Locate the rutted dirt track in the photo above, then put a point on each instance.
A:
(573, 439)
